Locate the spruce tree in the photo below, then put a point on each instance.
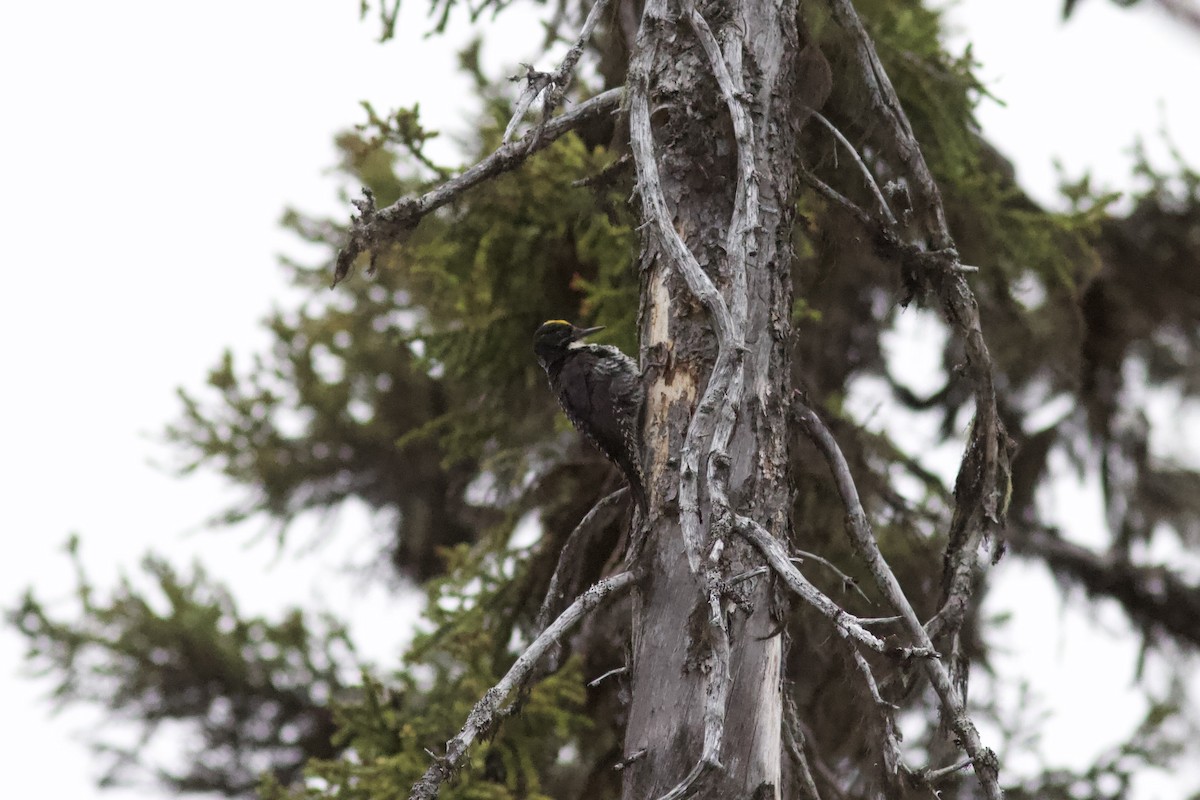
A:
(748, 197)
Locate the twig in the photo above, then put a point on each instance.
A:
(858, 527)
(846, 579)
(562, 76)
(747, 575)
(605, 175)
(618, 671)
(889, 741)
(535, 82)
(553, 86)
(860, 661)
(840, 200)
(482, 717)
(883, 204)
(933, 776)
(373, 228)
(566, 577)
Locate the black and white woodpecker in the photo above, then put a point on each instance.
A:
(600, 389)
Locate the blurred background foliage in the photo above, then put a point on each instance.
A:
(413, 390)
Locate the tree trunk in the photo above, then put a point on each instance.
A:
(696, 154)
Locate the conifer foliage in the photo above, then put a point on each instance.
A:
(754, 229)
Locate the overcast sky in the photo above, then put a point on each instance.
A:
(146, 154)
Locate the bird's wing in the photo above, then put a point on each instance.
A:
(577, 391)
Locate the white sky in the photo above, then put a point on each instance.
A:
(146, 154)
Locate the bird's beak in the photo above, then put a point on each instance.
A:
(583, 332)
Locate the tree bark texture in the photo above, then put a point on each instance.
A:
(696, 153)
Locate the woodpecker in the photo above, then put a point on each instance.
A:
(600, 389)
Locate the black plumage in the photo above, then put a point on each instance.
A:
(600, 390)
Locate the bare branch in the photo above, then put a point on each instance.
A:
(848, 626)
(726, 66)
(562, 76)
(713, 421)
(857, 526)
(859, 529)
(373, 228)
(717, 678)
(712, 424)
(872, 685)
(889, 739)
(841, 201)
(953, 708)
(747, 575)
(483, 716)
